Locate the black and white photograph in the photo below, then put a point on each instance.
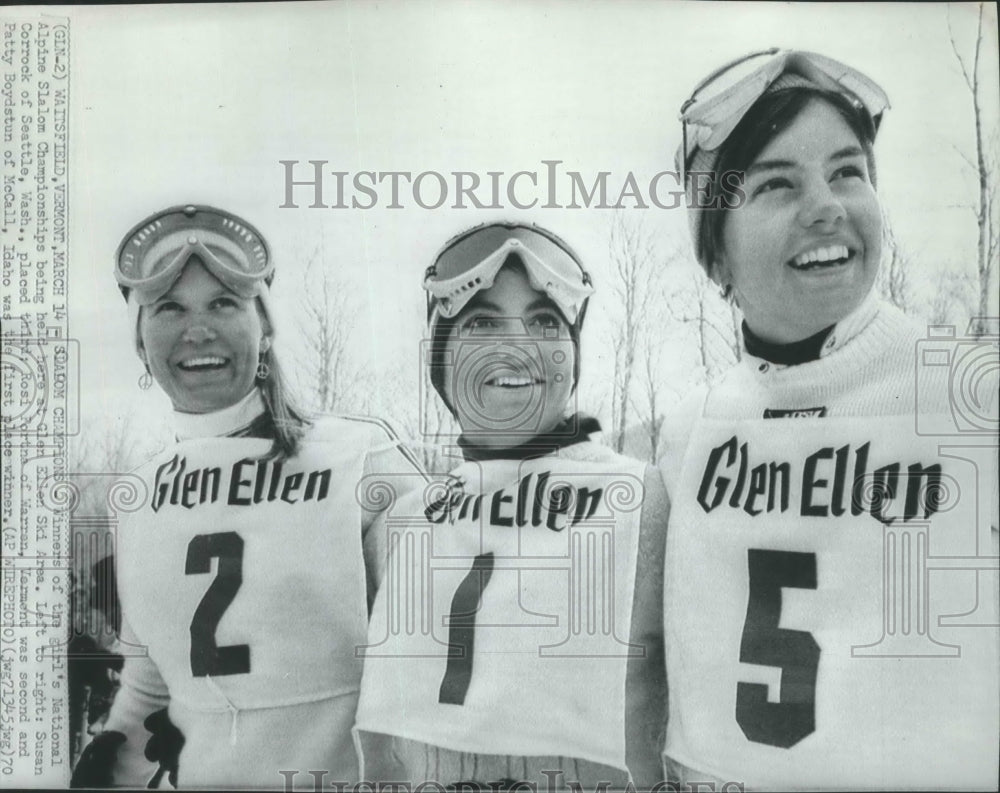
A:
(452, 397)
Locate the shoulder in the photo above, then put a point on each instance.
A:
(347, 428)
(593, 451)
(890, 339)
(899, 337)
(951, 369)
(385, 452)
(678, 422)
(895, 322)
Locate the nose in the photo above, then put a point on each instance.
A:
(198, 333)
(821, 207)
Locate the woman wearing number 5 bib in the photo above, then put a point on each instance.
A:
(241, 573)
(841, 631)
(515, 637)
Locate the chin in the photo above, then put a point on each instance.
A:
(840, 312)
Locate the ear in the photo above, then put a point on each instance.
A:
(265, 324)
(265, 342)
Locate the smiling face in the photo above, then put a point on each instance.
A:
(202, 342)
(804, 249)
(511, 363)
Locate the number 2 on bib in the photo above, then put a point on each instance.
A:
(207, 658)
(793, 717)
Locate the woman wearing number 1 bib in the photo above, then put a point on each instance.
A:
(515, 637)
(240, 572)
(820, 630)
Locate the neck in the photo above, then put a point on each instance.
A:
(789, 353)
(227, 421)
(575, 429)
(819, 344)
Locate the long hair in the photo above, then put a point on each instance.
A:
(290, 421)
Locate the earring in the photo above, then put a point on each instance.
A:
(146, 380)
(263, 370)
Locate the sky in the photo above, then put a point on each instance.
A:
(174, 104)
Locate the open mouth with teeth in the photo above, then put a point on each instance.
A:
(823, 258)
(513, 381)
(204, 363)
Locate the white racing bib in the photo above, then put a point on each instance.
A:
(502, 622)
(235, 562)
(831, 606)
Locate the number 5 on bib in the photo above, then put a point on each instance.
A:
(793, 717)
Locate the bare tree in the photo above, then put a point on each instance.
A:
(659, 396)
(985, 170)
(426, 421)
(654, 406)
(951, 292)
(112, 445)
(656, 333)
(893, 283)
(331, 378)
(635, 273)
(438, 426)
(716, 323)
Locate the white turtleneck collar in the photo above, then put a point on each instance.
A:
(220, 422)
(852, 325)
(849, 328)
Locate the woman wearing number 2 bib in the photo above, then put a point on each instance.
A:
(515, 636)
(830, 597)
(240, 572)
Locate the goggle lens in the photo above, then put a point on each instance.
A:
(469, 263)
(468, 252)
(720, 101)
(154, 252)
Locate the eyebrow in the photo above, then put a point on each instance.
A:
(542, 302)
(478, 302)
(774, 165)
(539, 303)
(221, 291)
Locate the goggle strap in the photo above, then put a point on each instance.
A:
(721, 71)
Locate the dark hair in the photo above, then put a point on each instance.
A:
(771, 115)
(441, 331)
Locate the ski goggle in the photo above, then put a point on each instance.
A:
(470, 262)
(154, 252)
(719, 102)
